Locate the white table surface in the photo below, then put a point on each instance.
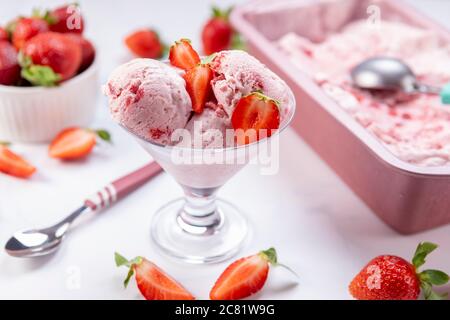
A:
(319, 227)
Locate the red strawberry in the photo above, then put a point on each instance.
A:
(4, 36)
(55, 50)
(145, 43)
(13, 164)
(27, 28)
(75, 143)
(153, 283)
(389, 277)
(245, 276)
(198, 85)
(182, 55)
(217, 33)
(87, 50)
(67, 19)
(9, 67)
(253, 113)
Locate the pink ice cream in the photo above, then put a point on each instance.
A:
(415, 128)
(149, 98)
(238, 74)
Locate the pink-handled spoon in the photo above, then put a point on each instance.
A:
(39, 242)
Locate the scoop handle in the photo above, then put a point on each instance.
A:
(122, 187)
(445, 94)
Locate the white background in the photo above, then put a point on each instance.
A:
(320, 228)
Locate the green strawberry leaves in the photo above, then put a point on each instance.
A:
(37, 75)
(45, 15)
(104, 135)
(223, 14)
(270, 255)
(429, 277)
(423, 249)
(122, 261)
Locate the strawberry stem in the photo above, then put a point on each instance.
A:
(429, 277)
(122, 261)
(270, 255)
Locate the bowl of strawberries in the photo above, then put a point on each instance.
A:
(48, 75)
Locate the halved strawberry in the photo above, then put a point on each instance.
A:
(245, 276)
(256, 115)
(13, 164)
(75, 143)
(153, 283)
(182, 55)
(67, 19)
(198, 85)
(27, 28)
(145, 43)
(4, 36)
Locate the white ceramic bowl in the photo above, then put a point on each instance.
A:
(37, 114)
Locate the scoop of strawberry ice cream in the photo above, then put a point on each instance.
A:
(238, 74)
(149, 98)
(209, 130)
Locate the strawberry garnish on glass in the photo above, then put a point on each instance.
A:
(76, 143)
(13, 164)
(389, 277)
(183, 56)
(255, 116)
(245, 276)
(145, 43)
(198, 85)
(153, 283)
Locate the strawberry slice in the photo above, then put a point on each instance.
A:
(198, 85)
(153, 283)
(245, 276)
(182, 55)
(145, 43)
(27, 28)
(75, 143)
(254, 113)
(13, 164)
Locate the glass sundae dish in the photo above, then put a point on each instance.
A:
(197, 142)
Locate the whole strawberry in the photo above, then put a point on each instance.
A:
(67, 19)
(390, 277)
(9, 68)
(4, 36)
(145, 43)
(217, 33)
(26, 28)
(49, 58)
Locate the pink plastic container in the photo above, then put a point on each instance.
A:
(409, 198)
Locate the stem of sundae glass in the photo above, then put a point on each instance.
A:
(200, 215)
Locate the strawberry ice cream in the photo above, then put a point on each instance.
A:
(238, 74)
(149, 98)
(414, 128)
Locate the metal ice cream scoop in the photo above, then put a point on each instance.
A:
(384, 73)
